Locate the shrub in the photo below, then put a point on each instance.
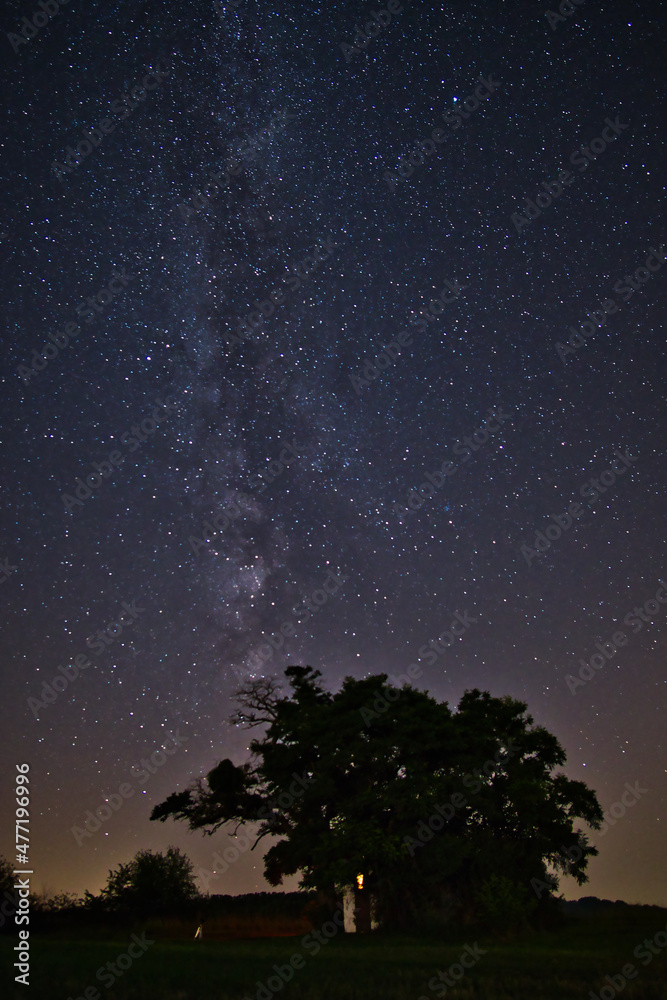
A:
(503, 905)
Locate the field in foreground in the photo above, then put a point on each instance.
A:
(557, 965)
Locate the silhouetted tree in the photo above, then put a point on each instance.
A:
(6, 876)
(151, 882)
(426, 803)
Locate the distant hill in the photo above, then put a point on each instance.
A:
(593, 904)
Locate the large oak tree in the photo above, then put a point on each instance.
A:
(427, 803)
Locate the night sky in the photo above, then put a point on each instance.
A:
(434, 212)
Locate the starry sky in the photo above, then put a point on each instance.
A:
(435, 211)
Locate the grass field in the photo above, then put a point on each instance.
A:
(558, 965)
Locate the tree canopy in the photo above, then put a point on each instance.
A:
(151, 882)
(427, 803)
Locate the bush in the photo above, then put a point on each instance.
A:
(504, 905)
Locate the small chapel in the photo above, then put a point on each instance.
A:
(359, 909)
